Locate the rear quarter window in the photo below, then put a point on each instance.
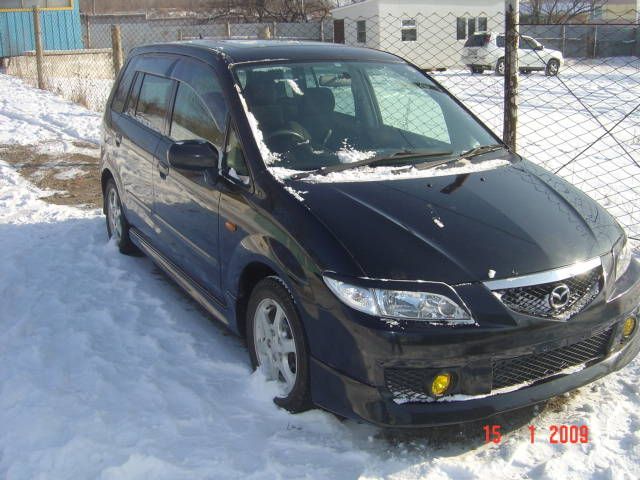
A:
(120, 97)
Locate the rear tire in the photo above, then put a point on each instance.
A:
(117, 225)
(553, 68)
(277, 344)
(500, 67)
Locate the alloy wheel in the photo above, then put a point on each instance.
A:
(275, 346)
(114, 214)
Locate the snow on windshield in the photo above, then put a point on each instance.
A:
(375, 174)
(348, 154)
(268, 157)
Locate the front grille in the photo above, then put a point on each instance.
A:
(407, 384)
(535, 299)
(531, 368)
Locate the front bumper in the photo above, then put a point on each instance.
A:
(348, 371)
(350, 398)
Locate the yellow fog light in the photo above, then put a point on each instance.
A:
(441, 384)
(628, 327)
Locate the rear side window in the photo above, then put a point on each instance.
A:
(120, 96)
(192, 119)
(500, 41)
(153, 102)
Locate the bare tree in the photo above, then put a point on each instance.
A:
(561, 11)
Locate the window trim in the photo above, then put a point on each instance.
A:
(472, 21)
(406, 28)
(30, 9)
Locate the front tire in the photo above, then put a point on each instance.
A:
(277, 343)
(117, 225)
(500, 67)
(553, 68)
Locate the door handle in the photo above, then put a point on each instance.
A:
(163, 169)
(118, 139)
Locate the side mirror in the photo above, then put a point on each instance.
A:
(539, 47)
(193, 155)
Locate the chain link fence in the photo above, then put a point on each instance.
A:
(579, 84)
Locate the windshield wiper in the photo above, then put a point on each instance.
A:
(481, 150)
(397, 157)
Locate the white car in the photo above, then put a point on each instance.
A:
(485, 51)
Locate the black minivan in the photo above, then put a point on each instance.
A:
(384, 254)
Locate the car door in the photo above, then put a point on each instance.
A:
(137, 131)
(186, 203)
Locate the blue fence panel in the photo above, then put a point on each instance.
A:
(61, 30)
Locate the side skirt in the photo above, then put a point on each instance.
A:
(195, 290)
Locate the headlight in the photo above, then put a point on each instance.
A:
(622, 255)
(423, 306)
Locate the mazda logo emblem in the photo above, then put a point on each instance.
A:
(559, 296)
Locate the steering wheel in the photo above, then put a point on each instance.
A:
(296, 137)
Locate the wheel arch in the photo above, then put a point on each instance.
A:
(105, 176)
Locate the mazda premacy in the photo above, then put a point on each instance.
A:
(384, 254)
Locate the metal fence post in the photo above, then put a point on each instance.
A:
(37, 32)
(116, 45)
(228, 29)
(512, 19)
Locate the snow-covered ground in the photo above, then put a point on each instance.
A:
(109, 371)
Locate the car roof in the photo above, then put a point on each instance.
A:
(240, 51)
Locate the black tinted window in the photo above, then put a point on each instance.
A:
(475, 40)
(153, 102)
(235, 158)
(192, 119)
(133, 96)
(500, 41)
(120, 96)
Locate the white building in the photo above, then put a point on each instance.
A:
(429, 33)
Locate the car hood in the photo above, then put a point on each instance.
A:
(553, 53)
(512, 220)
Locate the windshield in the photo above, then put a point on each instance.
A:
(316, 115)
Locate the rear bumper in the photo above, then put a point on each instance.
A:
(345, 396)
